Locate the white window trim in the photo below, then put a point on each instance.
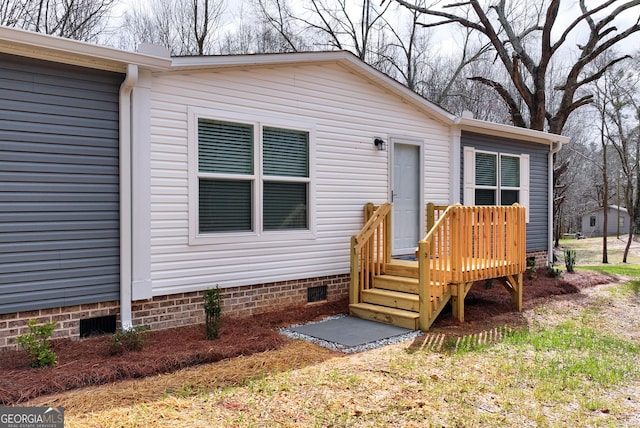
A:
(469, 179)
(257, 235)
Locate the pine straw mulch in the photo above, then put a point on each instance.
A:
(86, 362)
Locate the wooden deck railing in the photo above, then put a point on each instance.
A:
(464, 244)
(370, 249)
(468, 244)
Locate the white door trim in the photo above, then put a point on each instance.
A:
(421, 202)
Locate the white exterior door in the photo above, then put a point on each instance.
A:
(406, 198)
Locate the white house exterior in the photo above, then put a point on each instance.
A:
(617, 221)
(327, 108)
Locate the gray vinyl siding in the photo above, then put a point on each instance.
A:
(537, 228)
(59, 186)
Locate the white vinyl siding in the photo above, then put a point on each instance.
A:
(342, 113)
(492, 178)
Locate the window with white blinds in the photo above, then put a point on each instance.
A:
(251, 178)
(495, 178)
(496, 183)
(285, 155)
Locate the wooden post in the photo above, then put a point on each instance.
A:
(354, 284)
(368, 211)
(431, 216)
(516, 298)
(387, 238)
(431, 220)
(457, 302)
(424, 285)
(455, 243)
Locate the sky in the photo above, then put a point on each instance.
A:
(446, 38)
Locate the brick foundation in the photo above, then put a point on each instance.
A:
(177, 309)
(541, 258)
(67, 318)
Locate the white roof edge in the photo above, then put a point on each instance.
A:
(612, 207)
(230, 61)
(242, 60)
(43, 46)
(481, 126)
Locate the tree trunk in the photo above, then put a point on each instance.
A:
(605, 204)
(628, 246)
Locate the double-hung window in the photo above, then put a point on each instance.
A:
(251, 178)
(492, 178)
(285, 179)
(226, 177)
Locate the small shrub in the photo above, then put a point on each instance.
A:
(128, 340)
(213, 312)
(553, 272)
(37, 344)
(570, 259)
(531, 268)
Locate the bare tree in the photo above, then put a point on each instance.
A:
(279, 15)
(513, 28)
(619, 110)
(185, 27)
(336, 24)
(74, 19)
(143, 26)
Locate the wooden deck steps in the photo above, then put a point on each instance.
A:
(464, 244)
(396, 283)
(406, 268)
(393, 298)
(387, 315)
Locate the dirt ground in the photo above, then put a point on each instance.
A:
(87, 362)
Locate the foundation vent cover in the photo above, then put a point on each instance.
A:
(97, 326)
(317, 294)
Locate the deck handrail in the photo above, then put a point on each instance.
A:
(467, 244)
(370, 249)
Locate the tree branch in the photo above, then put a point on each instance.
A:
(514, 111)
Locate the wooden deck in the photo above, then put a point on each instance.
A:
(463, 245)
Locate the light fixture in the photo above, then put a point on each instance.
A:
(380, 143)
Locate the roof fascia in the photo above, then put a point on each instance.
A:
(509, 131)
(45, 47)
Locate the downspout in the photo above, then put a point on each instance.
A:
(555, 148)
(125, 195)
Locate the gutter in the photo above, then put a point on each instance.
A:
(125, 195)
(555, 148)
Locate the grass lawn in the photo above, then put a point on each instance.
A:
(589, 251)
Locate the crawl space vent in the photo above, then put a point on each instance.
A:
(97, 326)
(316, 294)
